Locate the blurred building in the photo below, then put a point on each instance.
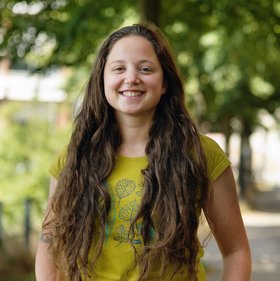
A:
(41, 93)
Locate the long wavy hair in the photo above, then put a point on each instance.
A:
(175, 181)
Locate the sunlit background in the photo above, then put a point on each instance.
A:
(229, 55)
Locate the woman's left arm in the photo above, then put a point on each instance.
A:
(228, 228)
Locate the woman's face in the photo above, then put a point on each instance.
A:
(133, 77)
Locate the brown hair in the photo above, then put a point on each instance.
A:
(175, 180)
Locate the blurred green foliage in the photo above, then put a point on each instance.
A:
(29, 141)
(228, 51)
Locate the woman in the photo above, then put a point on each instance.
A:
(126, 196)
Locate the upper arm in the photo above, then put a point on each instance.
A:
(225, 216)
(48, 213)
(45, 268)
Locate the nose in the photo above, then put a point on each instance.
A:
(131, 78)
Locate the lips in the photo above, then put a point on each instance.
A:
(131, 93)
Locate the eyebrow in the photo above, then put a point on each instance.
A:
(141, 61)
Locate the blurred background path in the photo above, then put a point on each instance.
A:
(263, 229)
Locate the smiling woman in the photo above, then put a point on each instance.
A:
(133, 77)
(127, 193)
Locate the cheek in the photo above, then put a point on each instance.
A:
(107, 87)
(155, 83)
(110, 83)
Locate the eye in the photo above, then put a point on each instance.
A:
(118, 68)
(145, 69)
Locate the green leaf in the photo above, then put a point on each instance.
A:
(121, 234)
(140, 190)
(129, 211)
(124, 188)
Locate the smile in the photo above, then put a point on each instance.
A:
(131, 93)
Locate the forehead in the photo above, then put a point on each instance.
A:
(132, 45)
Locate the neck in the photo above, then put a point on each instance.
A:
(135, 134)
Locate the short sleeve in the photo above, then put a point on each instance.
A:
(217, 160)
(58, 164)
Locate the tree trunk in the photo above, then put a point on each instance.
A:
(1, 227)
(245, 178)
(150, 10)
(227, 131)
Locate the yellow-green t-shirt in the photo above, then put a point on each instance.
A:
(117, 259)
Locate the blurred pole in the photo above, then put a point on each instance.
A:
(1, 226)
(27, 223)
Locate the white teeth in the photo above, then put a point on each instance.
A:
(131, 93)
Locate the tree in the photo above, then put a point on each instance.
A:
(49, 33)
(227, 50)
(150, 10)
(28, 144)
(230, 53)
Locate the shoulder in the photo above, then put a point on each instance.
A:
(216, 159)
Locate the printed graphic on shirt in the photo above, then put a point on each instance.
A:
(129, 211)
(128, 195)
(140, 190)
(121, 234)
(124, 188)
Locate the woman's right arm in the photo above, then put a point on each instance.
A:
(45, 268)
